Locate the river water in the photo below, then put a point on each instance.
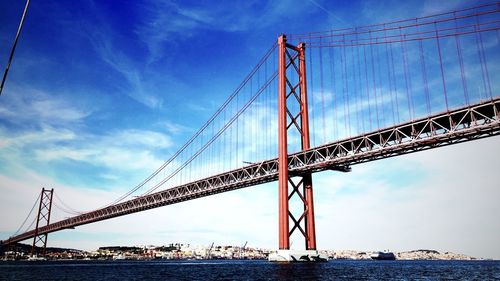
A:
(250, 270)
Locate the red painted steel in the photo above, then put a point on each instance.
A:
(464, 124)
(456, 125)
(44, 210)
(285, 91)
(309, 219)
(284, 239)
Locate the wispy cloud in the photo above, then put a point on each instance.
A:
(131, 72)
(136, 85)
(384, 11)
(23, 190)
(166, 22)
(116, 161)
(120, 151)
(39, 107)
(44, 135)
(434, 7)
(435, 204)
(176, 129)
(332, 14)
(52, 132)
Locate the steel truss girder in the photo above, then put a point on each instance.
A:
(456, 126)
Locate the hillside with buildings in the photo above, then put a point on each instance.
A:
(197, 252)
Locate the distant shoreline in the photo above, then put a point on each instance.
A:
(218, 252)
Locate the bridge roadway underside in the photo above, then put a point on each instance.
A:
(459, 125)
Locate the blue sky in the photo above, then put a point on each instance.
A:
(101, 93)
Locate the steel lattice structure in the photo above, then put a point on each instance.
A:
(43, 217)
(293, 95)
(463, 124)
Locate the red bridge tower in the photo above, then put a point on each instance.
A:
(293, 120)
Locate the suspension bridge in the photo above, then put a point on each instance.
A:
(325, 101)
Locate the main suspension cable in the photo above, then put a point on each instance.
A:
(29, 214)
(198, 133)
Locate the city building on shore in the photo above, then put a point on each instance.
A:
(178, 251)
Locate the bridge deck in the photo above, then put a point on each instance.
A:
(463, 124)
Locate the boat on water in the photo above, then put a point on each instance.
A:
(297, 256)
(119, 257)
(36, 258)
(383, 256)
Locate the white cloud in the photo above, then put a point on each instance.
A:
(124, 150)
(129, 150)
(358, 210)
(448, 204)
(435, 7)
(39, 107)
(175, 129)
(438, 209)
(52, 132)
(386, 11)
(22, 192)
(125, 159)
(45, 135)
(46, 155)
(332, 13)
(136, 86)
(225, 218)
(136, 137)
(166, 22)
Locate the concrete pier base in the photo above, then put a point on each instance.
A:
(297, 256)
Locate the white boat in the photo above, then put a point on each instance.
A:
(119, 257)
(297, 256)
(36, 258)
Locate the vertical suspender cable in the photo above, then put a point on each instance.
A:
(461, 62)
(359, 92)
(405, 71)
(441, 66)
(395, 84)
(355, 87)
(331, 55)
(424, 77)
(237, 132)
(346, 93)
(322, 91)
(312, 96)
(250, 126)
(379, 71)
(266, 116)
(367, 90)
(423, 69)
(484, 63)
(343, 78)
(389, 77)
(373, 80)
